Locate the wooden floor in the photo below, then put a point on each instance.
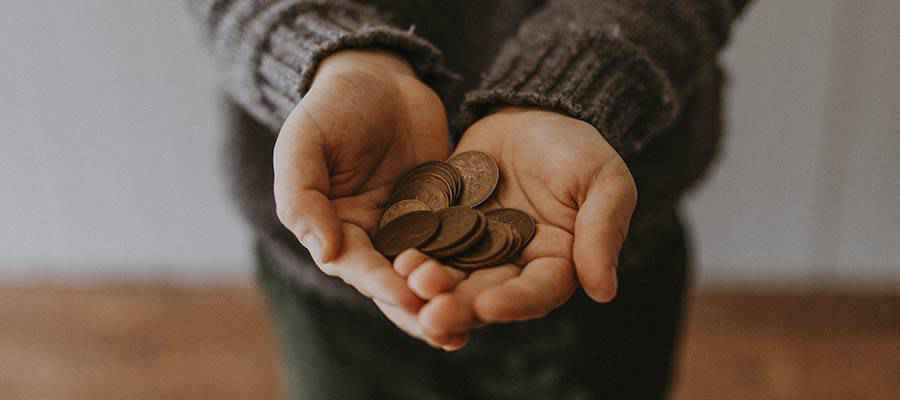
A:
(160, 342)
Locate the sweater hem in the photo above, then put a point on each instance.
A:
(598, 78)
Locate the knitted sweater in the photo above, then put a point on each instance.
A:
(643, 72)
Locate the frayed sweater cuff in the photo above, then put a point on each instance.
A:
(598, 77)
(284, 47)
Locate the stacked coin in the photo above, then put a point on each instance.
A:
(433, 209)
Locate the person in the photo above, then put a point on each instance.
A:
(600, 114)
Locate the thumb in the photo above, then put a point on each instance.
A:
(601, 226)
(302, 184)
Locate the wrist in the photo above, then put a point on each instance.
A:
(506, 121)
(529, 112)
(371, 61)
(527, 115)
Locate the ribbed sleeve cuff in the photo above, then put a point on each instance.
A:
(597, 77)
(291, 49)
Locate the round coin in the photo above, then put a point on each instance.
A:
(504, 254)
(437, 169)
(490, 204)
(474, 237)
(443, 181)
(515, 248)
(400, 208)
(494, 243)
(416, 171)
(457, 223)
(457, 180)
(523, 223)
(407, 231)
(480, 176)
(429, 192)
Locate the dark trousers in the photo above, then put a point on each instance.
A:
(584, 350)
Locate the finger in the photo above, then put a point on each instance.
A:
(456, 342)
(453, 313)
(407, 322)
(600, 230)
(544, 285)
(403, 319)
(302, 187)
(362, 267)
(432, 278)
(426, 276)
(446, 315)
(408, 261)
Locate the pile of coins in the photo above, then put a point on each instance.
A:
(435, 208)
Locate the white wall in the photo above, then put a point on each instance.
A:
(109, 151)
(808, 191)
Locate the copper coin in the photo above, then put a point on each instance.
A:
(501, 256)
(512, 241)
(513, 251)
(490, 204)
(435, 180)
(480, 175)
(434, 168)
(473, 238)
(428, 165)
(457, 223)
(523, 223)
(400, 208)
(494, 243)
(452, 175)
(406, 232)
(416, 171)
(457, 181)
(413, 178)
(446, 183)
(428, 192)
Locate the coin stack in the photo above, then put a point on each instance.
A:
(440, 209)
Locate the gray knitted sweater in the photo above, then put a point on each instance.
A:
(643, 72)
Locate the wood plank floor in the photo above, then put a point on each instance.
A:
(163, 342)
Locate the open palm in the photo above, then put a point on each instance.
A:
(562, 172)
(365, 121)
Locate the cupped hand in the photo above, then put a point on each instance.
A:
(365, 121)
(562, 172)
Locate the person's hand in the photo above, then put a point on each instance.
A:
(562, 172)
(365, 121)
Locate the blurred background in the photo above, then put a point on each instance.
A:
(126, 273)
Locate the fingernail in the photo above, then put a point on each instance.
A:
(313, 245)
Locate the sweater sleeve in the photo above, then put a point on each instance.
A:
(624, 66)
(270, 49)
